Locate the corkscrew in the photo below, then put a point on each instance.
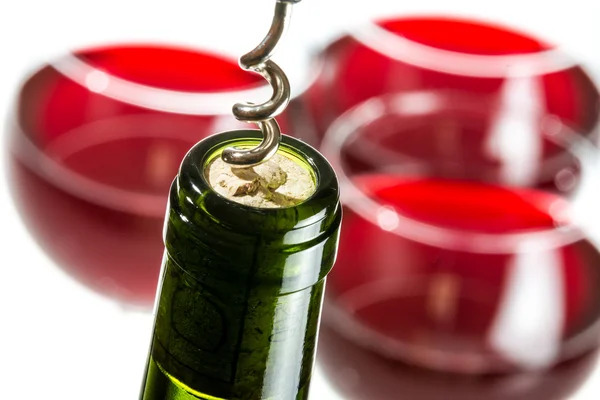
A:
(259, 61)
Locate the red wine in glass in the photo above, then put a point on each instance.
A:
(460, 56)
(95, 142)
(412, 319)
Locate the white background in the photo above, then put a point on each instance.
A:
(52, 346)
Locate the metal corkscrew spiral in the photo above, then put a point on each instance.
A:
(259, 61)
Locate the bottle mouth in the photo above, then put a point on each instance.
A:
(569, 214)
(322, 204)
(394, 45)
(286, 179)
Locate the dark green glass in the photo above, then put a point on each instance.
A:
(241, 287)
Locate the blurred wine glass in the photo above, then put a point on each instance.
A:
(95, 142)
(451, 272)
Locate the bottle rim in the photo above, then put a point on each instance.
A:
(321, 205)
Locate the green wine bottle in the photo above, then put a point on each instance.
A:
(241, 288)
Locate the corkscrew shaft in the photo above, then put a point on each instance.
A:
(259, 61)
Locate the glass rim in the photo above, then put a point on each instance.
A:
(23, 149)
(430, 100)
(350, 123)
(372, 35)
(167, 100)
(345, 323)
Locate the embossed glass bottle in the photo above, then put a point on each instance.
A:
(241, 288)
